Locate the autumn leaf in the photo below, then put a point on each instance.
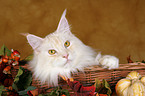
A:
(103, 95)
(81, 90)
(107, 86)
(22, 80)
(24, 92)
(2, 88)
(58, 92)
(4, 50)
(102, 87)
(28, 58)
(143, 61)
(97, 84)
(129, 59)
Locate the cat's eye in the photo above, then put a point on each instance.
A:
(51, 52)
(67, 44)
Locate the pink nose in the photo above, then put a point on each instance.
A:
(65, 56)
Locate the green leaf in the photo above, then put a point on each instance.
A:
(65, 92)
(143, 61)
(43, 95)
(40, 95)
(58, 92)
(14, 86)
(1, 89)
(23, 79)
(53, 92)
(4, 50)
(30, 88)
(107, 86)
(24, 92)
(30, 57)
(97, 84)
(20, 72)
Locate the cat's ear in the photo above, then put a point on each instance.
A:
(63, 25)
(34, 41)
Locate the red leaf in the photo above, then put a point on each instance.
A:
(29, 93)
(80, 90)
(103, 95)
(129, 59)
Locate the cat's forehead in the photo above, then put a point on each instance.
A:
(54, 40)
(56, 37)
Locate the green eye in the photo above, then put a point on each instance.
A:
(51, 52)
(67, 43)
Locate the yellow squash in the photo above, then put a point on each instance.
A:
(132, 85)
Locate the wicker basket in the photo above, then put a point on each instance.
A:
(87, 78)
(89, 75)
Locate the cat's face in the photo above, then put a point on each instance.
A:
(60, 50)
(59, 53)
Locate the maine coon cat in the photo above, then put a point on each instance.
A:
(62, 53)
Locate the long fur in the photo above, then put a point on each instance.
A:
(48, 67)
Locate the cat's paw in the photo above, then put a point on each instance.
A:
(109, 62)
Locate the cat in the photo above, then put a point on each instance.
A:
(62, 53)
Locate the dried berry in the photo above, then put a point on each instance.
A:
(15, 63)
(10, 61)
(7, 70)
(5, 60)
(15, 55)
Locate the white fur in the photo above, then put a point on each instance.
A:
(107, 61)
(47, 67)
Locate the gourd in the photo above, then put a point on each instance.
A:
(132, 85)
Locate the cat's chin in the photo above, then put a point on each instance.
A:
(67, 63)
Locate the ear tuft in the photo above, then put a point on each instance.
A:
(34, 41)
(24, 34)
(64, 13)
(63, 25)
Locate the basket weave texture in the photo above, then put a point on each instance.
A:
(87, 78)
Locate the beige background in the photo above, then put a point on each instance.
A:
(115, 27)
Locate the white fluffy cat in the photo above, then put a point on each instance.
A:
(61, 53)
